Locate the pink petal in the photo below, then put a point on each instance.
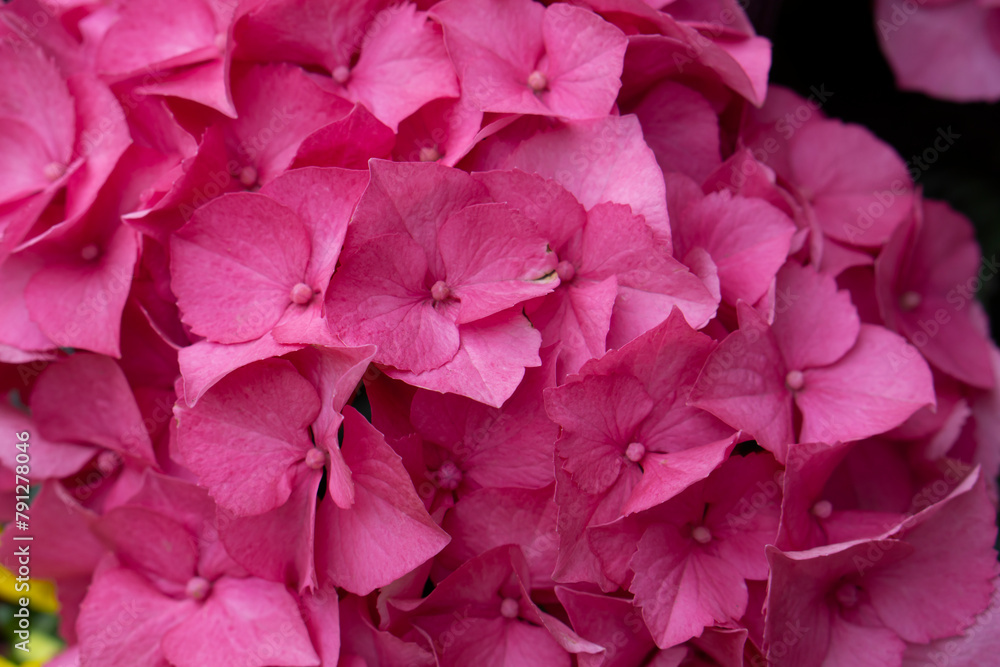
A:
(238, 244)
(585, 55)
(666, 475)
(938, 260)
(323, 200)
(936, 592)
(238, 446)
(80, 304)
(599, 416)
(378, 296)
(147, 34)
(859, 190)
(123, 619)
(389, 530)
(682, 129)
(203, 364)
(748, 240)
(490, 361)
(804, 298)
(349, 142)
(151, 543)
(491, 262)
(278, 545)
(743, 384)
(233, 627)
(681, 591)
(621, 168)
(87, 399)
(875, 387)
(403, 65)
(927, 55)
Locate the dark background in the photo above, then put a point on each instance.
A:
(835, 44)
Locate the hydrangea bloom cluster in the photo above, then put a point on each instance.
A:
(480, 332)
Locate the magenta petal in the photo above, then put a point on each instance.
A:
(480, 438)
(743, 384)
(233, 625)
(203, 364)
(680, 590)
(389, 530)
(349, 142)
(949, 578)
(362, 641)
(148, 34)
(666, 475)
(585, 55)
(859, 187)
(490, 362)
(650, 282)
(612, 622)
(17, 329)
(402, 66)
(151, 543)
(491, 517)
(35, 93)
(805, 298)
(682, 129)
(247, 433)
(579, 317)
(23, 160)
(491, 262)
(80, 304)
(205, 83)
(926, 55)
(378, 297)
(875, 387)
(747, 238)
(278, 545)
(861, 646)
(323, 200)
(279, 106)
(238, 244)
(627, 172)
(87, 399)
(495, 46)
(599, 415)
(116, 593)
(936, 260)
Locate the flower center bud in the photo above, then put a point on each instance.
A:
(108, 461)
(449, 476)
(565, 270)
(909, 300)
(54, 170)
(341, 73)
(635, 451)
(90, 252)
(197, 588)
(509, 608)
(220, 41)
(440, 291)
(823, 509)
(248, 176)
(315, 458)
(429, 154)
(847, 595)
(537, 81)
(795, 380)
(301, 294)
(701, 535)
